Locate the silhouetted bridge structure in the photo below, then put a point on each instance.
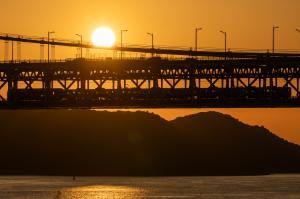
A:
(196, 79)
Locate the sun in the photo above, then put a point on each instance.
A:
(103, 37)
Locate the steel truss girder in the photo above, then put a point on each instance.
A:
(66, 84)
(144, 76)
(289, 82)
(3, 76)
(137, 83)
(100, 83)
(2, 84)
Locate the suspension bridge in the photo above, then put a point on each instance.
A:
(190, 78)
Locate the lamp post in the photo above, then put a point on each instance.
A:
(298, 30)
(12, 51)
(273, 40)
(79, 35)
(196, 38)
(122, 42)
(49, 33)
(152, 38)
(225, 35)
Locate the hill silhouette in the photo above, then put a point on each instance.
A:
(85, 142)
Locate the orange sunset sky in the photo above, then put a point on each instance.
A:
(247, 22)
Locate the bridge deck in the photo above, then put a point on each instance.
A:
(152, 83)
(226, 79)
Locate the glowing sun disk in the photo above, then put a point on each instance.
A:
(103, 37)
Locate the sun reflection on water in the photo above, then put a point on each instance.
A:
(101, 192)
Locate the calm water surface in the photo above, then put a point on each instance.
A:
(273, 186)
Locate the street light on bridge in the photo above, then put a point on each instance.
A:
(79, 35)
(273, 43)
(152, 38)
(225, 36)
(196, 38)
(298, 30)
(122, 42)
(49, 33)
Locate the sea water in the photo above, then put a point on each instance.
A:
(44, 187)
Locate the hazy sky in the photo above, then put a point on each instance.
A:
(248, 23)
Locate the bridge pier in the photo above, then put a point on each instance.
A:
(83, 84)
(265, 82)
(156, 72)
(232, 82)
(227, 82)
(119, 85)
(192, 71)
(271, 82)
(12, 85)
(48, 77)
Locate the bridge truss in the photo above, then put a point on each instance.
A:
(231, 79)
(151, 82)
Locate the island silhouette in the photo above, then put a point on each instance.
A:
(101, 143)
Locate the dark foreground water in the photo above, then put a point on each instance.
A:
(273, 186)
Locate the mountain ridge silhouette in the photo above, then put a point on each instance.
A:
(87, 142)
